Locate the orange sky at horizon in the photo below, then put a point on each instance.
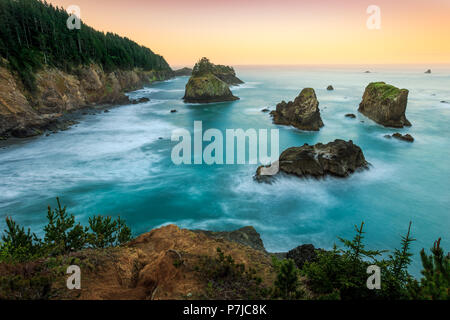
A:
(258, 32)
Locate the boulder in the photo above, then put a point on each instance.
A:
(210, 83)
(330, 88)
(350, 115)
(385, 104)
(428, 71)
(302, 113)
(173, 111)
(265, 110)
(338, 158)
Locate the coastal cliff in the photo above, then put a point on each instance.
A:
(25, 114)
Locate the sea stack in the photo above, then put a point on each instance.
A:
(210, 83)
(385, 104)
(302, 113)
(338, 158)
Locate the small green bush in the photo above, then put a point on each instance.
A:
(62, 235)
(287, 283)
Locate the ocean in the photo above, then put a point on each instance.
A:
(119, 163)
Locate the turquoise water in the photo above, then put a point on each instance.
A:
(115, 163)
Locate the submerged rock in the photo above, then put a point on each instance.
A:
(350, 115)
(140, 100)
(406, 137)
(210, 83)
(173, 111)
(302, 113)
(330, 88)
(265, 110)
(338, 158)
(385, 104)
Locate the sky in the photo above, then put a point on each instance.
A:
(278, 32)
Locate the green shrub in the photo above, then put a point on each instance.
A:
(435, 284)
(61, 233)
(230, 280)
(18, 244)
(107, 232)
(342, 273)
(287, 281)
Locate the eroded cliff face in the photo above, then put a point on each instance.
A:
(24, 114)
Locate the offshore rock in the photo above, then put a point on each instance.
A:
(385, 104)
(302, 113)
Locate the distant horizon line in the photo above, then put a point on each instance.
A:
(418, 64)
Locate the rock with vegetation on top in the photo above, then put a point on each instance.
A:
(338, 158)
(385, 104)
(302, 113)
(210, 83)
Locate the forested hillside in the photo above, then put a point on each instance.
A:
(34, 33)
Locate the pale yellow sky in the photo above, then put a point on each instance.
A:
(278, 32)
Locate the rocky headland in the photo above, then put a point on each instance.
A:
(210, 83)
(385, 104)
(302, 113)
(57, 93)
(182, 72)
(338, 158)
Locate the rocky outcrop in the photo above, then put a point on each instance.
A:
(182, 72)
(385, 104)
(302, 113)
(246, 236)
(302, 254)
(24, 114)
(330, 88)
(210, 83)
(428, 71)
(338, 158)
(404, 137)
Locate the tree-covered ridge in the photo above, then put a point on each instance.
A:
(34, 33)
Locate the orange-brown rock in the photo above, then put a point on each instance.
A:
(161, 264)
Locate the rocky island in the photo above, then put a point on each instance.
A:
(385, 104)
(210, 83)
(338, 158)
(302, 113)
